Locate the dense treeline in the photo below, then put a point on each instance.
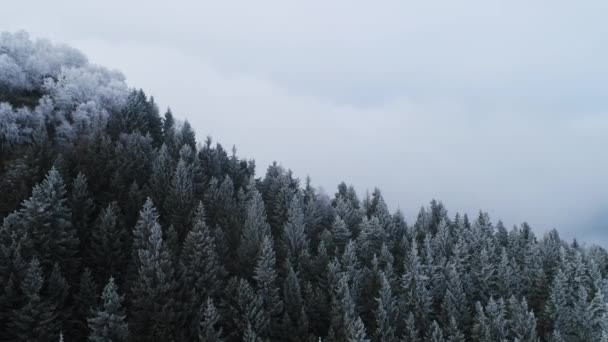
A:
(119, 226)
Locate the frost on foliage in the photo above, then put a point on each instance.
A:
(60, 88)
(88, 84)
(25, 63)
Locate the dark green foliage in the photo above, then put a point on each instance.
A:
(108, 242)
(108, 323)
(46, 221)
(83, 207)
(200, 275)
(152, 298)
(85, 300)
(180, 199)
(267, 290)
(138, 115)
(208, 326)
(296, 322)
(35, 319)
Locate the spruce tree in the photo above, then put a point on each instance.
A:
(266, 286)
(386, 312)
(521, 322)
(36, 319)
(415, 292)
(82, 206)
(436, 334)
(251, 315)
(296, 322)
(295, 233)
(356, 331)
(199, 274)
(455, 305)
(56, 293)
(340, 234)
(209, 332)
(255, 230)
(46, 219)
(557, 310)
(160, 178)
(108, 241)
(454, 332)
(180, 199)
(85, 301)
(109, 322)
(152, 303)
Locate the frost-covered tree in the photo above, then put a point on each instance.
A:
(180, 199)
(266, 285)
(208, 326)
(387, 313)
(255, 230)
(295, 233)
(46, 219)
(109, 323)
(199, 275)
(152, 298)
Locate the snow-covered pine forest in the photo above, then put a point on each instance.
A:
(119, 225)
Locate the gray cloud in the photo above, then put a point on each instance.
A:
(491, 106)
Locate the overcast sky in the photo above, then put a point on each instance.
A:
(500, 106)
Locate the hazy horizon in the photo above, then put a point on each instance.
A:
(494, 107)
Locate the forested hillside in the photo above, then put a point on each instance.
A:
(119, 225)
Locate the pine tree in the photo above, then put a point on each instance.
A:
(146, 223)
(483, 276)
(453, 332)
(152, 317)
(296, 322)
(416, 297)
(199, 274)
(255, 230)
(107, 252)
(36, 319)
(340, 234)
(208, 326)
(356, 331)
(342, 309)
(386, 312)
(557, 309)
(455, 303)
(160, 178)
(187, 136)
(180, 199)
(252, 317)
(442, 246)
(505, 276)
(521, 322)
(46, 219)
(56, 293)
(490, 323)
(410, 331)
(85, 302)
(295, 233)
(108, 323)
(82, 206)
(436, 334)
(266, 285)
(482, 331)
(168, 128)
